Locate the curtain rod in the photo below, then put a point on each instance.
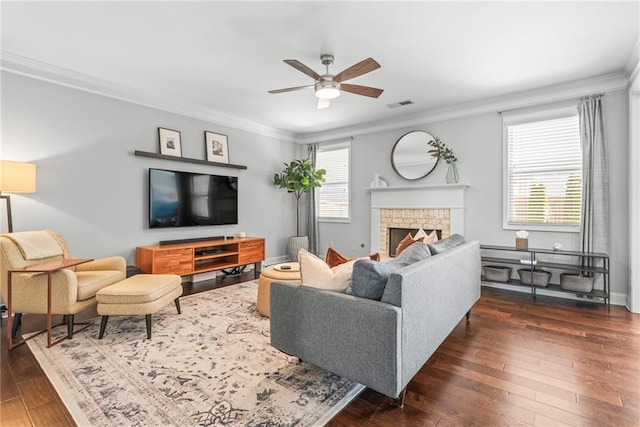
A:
(546, 104)
(330, 141)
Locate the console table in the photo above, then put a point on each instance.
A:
(598, 258)
(186, 259)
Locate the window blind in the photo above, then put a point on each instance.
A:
(333, 196)
(544, 172)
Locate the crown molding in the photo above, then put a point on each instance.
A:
(516, 100)
(632, 69)
(28, 67)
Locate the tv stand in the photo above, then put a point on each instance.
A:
(195, 257)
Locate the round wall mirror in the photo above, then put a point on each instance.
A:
(411, 157)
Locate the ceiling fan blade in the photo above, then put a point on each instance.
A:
(323, 103)
(362, 67)
(361, 90)
(289, 89)
(301, 67)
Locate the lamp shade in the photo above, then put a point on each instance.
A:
(17, 177)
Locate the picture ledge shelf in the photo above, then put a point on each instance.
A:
(186, 160)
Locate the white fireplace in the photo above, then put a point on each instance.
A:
(438, 207)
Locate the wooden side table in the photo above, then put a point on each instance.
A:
(49, 268)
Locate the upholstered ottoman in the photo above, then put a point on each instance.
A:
(137, 295)
(268, 275)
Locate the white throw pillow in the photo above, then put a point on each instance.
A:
(316, 273)
(428, 238)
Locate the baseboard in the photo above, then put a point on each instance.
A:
(616, 298)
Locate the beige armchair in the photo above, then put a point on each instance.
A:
(73, 289)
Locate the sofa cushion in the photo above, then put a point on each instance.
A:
(414, 253)
(335, 258)
(316, 273)
(446, 244)
(407, 241)
(370, 277)
(90, 282)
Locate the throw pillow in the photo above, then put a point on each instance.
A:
(431, 238)
(335, 258)
(316, 273)
(370, 277)
(427, 238)
(406, 242)
(446, 244)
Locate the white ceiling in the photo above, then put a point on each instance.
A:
(223, 57)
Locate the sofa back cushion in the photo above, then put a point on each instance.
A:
(370, 277)
(446, 244)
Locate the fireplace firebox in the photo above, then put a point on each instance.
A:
(397, 234)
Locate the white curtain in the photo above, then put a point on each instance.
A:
(312, 211)
(594, 232)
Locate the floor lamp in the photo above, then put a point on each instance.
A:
(16, 177)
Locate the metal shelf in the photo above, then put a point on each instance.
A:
(593, 256)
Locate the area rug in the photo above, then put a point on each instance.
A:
(212, 365)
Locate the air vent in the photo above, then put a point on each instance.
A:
(400, 104)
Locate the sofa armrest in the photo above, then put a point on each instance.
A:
(434, 294)
(110, 263)
(352, 337)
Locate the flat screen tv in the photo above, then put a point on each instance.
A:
(186, 199)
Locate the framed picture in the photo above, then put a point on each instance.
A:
(170, 143)
(217, 147)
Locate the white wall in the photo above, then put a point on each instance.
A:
(94, 191)
(477, 142)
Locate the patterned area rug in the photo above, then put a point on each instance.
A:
(212, 365)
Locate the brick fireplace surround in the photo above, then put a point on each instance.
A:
(437, 207)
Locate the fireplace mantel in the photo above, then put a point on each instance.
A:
(419, 187)
(419, 196)
(433, 196)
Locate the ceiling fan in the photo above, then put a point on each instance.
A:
(329, 86)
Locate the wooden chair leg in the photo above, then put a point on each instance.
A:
(69, 326)
(177, 301)
(399, 401)
(103, 325)
(148, 319)
(468, 315)
(17, 320)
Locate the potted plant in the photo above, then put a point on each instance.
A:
(299, 177)
(445, 153)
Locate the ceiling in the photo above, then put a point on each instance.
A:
(223, 57)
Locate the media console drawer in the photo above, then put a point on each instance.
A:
(250, 252)
(178, 261)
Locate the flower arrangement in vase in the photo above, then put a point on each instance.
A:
(445, 153)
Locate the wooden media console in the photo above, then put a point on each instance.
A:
(199, 257)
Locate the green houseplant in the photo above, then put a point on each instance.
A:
(299, 177)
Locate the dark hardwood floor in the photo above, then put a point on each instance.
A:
(551, 362)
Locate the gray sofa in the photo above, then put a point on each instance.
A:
(380, 344)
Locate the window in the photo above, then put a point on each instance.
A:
(333, 196)
(543, 171)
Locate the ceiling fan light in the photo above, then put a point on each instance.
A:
(327, 90)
